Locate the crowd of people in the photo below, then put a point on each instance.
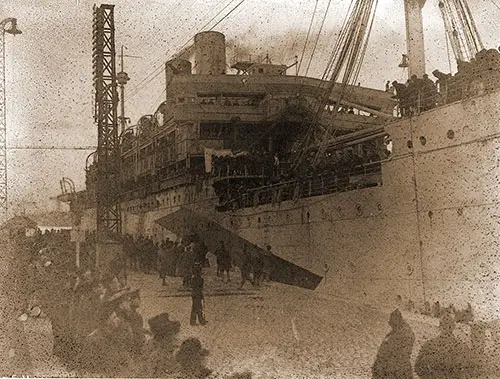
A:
(444, 356)
(259, 163)
(167, 258)
(97, 327)
(183, 259)
(416, 95)
(480, 74)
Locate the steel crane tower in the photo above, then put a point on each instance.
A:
(11, 29)
(106, 117)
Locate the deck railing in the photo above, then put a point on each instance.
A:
(362, 176)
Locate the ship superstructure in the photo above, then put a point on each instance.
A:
(402, 205)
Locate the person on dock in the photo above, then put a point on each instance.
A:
(197, 297)
(394, 354)
(258, 268)
(223, 261)
(446, 356)
(190, 358)
(245, 267)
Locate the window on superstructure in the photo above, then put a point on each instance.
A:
(215, 130)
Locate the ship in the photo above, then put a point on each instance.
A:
(406, 205)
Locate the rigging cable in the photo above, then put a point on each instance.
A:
(352, 42)
(307, 36)
(154, 73)
(363, 52)
(323, 83)
(448, 54)
(159, 70)
(227, 15)
(317, 36)
(495, 4)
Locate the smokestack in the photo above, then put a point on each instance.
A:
(210, 53)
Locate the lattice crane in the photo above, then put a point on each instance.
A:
(106, 116)
(9, 25)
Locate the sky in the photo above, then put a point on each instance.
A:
(49, 70)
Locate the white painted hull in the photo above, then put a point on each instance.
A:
(429, 232)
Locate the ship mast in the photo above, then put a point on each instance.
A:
(415, 37)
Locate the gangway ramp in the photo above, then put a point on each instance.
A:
(187, 222)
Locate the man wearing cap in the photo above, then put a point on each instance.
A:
(197, 283)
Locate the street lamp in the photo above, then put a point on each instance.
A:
(9, 25)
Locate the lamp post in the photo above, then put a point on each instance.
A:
(9, 25)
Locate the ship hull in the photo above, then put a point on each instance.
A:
(429, 232)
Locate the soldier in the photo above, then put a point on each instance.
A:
(402, 96)
(186, 263)
(163, 260)
(245, 267)
(429, 93)
(393, 358)
(258, 268)
(197, 283)
(223, 260)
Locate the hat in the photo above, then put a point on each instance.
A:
(162, 327)
(396, 318)
(190, 350)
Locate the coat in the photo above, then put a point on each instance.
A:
(393, 357)
(445, 357)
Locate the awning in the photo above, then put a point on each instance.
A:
(187, 222)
